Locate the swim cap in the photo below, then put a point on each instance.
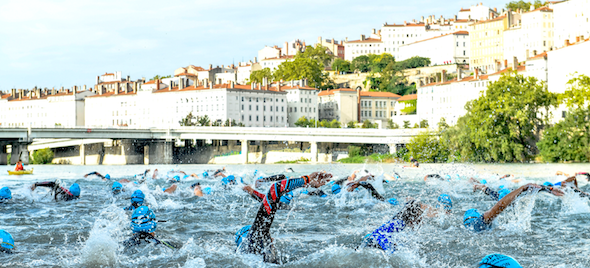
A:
(5, 193)
(484, 181)
(143, 220)
(207, 190)
(75, 189)
(393, 201)
(336, 188)
(498, 260)
(501, 187)
(547, 183)
(176, 178)
(472, 219)
(108, 177)
(286, 198)
(137, 197)
(228, 180)
(205, 174)
(304, 191)
(503, 193)
(445, 201)
(448, 177)
(117, 187)
(6, 240)
(242, 234)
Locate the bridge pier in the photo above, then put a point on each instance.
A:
(392, 148)
(314, 152)
(160, 152)
(82, 154)
(244, 151)
(19, 151)
(3, 155)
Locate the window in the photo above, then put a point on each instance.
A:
(242, 107)
(295, 109)
(290, 109)
(242, 98)
(250, 118)
(563, 114)
(457, 44)
(250, 107)
(270, 117)
(264, 118)
(250, 99)
(263, 108)
(271, 108)
(242, 117)
(282, 108)
(301, 99)
(256, 107)
(256, 118)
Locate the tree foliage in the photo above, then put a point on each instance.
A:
(351, 124)
(161, 77)
(411, 108)
(304, 122)
(392, 125)
(42, 156)
(341, 65)
(259, 75)
(318, 53)
(428, 147)
(368, 124)
(515, 5)
(188, 121)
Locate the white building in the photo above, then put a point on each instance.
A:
(165, 107)
(43, 107)
(533, 35)
(477, 12)
(244, 70)
(571, 21)
(301, 101)
(289, 49)
(445, 49)
(363, 46)
(273, 63)
(567, 62)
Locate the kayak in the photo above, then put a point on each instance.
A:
(20, 172)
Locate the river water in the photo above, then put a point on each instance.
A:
(539, 231)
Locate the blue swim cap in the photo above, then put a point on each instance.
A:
(286, 198)
(143, 220)
(501, 187)
(5, 193)
(207, 190)
(75, 189)
(445, 201)
(393, 201)
(472, 219)
(498, 260)
(448, 177)
(137, 197)
(242, 234)
(205, 174)
(108, 177)
(117, 187)
(185, 176)
(503, 193)
(547, 183)
(304, 191)
(484, 181)
(336, 188)
(229, 179)
(176, 178)
(6, 240)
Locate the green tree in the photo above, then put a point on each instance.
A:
(203, 121)
(351, 124)
(411, 109)
(259, 75)
(424, 123)
(416, 125)
(341, 65)
(335, 124)
(161, 77)
(318, 53)
(303, 122)
(504, 124)
(354, 151)
(188, 121)
(406, 124)
(233, 123)
(427, 147)
(391, 76)
(515, 5)
(361, 63)
(301, 68)
(379, 62)
(368, 124)
(42, 156)
(391, 124)
(442, 124)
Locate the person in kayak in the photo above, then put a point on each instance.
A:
(144, 224)
(255, 238)
(19, 166)
(60, 192)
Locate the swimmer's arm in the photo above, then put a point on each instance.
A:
(255, 194)
(372, 190)
(491, 214)
(197, 191)
(388, 177)
(155, 174)
(570, 179)
(430, 212)
(48, 184)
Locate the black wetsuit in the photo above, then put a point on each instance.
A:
(278, 177)
(372, 190)
(133, 206)
(493, 194)
(435, 176)
(260, 196)
(143, 238)
(58, 192)
(96, 174)
(258, 240)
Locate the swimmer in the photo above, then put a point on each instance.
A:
(143, 224)
(409, 217)
(571, 183)
(198, 191)
(476, 221)
(272, 178)
(414, 162)
(498, 261)
(289, 170)
(58, 191)
(171, 189)
(285, 200)
(142, 175)
(137, 199)
(6, 242)
(5, 194)
(117, 188)
(363, 183)
(393, 177)
(433, 176)
(495, 195)
(255, 238)
(94, 173)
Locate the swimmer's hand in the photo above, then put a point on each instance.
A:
(318, 179)
(33, 187)
(248, 189)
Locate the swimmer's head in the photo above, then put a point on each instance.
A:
(498, 261)
(117, 187)
(484, 181)
(228, 180)
(75, 189)
(286, 198)
(6, 240)
(336, 188)
(5, 194)
(143, 220)
(205, 174)
(445, 201)
(242, 234)
(393, 201)
(207, 190)
(503, 193)
(548, 184)
(185, 176)
(176, 178)
(108, 177)
(137, 197)
(448, 177)
(473, 219)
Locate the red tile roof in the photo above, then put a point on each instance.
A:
(466, 9)
(494, 19)
(108, 74)
(421, 24)
(185, 74)
(543, 8)
(455, 33)
(280, 58)
(379, 94)
(368, 40)
(408, 97)
(114, 82)
(332, 91)
(539, 56)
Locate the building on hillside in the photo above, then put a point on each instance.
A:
(477, 12)
(301, 101)
(335, 48)
(571, 21)
(532, 35)
(343, 105)
(451, 48)
(273, 63)
(244, 70)
(289, 49)
(43, 107)
(108, 82)
(164, 106)
(537, 67)
(363, 46)
(406, 110)
(487, 41)
(217, 75)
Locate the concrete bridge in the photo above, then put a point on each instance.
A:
(156, 146)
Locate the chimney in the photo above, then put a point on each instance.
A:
(514, 63)
(443, 76)
(459, 74)
(476, 74)
(53, 91)
(84, 87)
(20, 94)
(255, 60)
(134, 87)
(455, 17)
(252, 85)
(319, 40)
(181, 84)
(577, 39)
(128, 78)
(535, 52)
(157, 84)
(211, 85)
(286, 48)
(373, 31)
(279, 85)
(362, 37)
(358, 105)
(527, 54)
(13, 93)
(532, 7)
(346, 39)
(117, 88)
(210, 66)
(97, 79)
(498, 66)
(405, 23)
(567, 42)
(232, 84)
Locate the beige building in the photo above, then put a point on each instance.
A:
(289, 49)
(336, 48)
(345, 106)
(572, 21)
(532, 35)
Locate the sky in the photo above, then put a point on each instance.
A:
(49, 44)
